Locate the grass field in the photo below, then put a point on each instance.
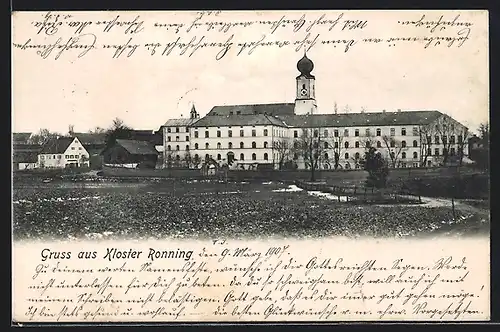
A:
(204, 209)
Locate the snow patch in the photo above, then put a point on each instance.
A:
(328, 196)
(291, 188)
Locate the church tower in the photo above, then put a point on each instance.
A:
(305, 101)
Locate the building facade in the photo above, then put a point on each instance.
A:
(62, 152)
(297, 135)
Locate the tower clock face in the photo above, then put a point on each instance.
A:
(303, 92)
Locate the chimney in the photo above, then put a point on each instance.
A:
(383, 111)
(399, 110)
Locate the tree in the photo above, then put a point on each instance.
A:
(484, 134)
(394, 148)
(283, 149)
(425, 139)
(196, 161)
(309, 146)
(376, 167)
(336, 143)
(347, 109)
(462, 141)
(335, 108)
(71, 130)
(97, 130)
(43, 136)
(118, 130)
(188, 160)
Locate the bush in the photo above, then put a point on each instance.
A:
(377, 169)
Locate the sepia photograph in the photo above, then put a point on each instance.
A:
(247, 126)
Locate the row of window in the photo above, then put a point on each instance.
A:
(169, 130)
(242, 133)
(169, 139)
(58, 156)
(219, 157)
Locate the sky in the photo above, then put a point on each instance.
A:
(145, 91)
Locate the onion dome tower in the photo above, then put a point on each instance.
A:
(305, 100)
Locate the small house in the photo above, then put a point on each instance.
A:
(132, 153)
(62, 152)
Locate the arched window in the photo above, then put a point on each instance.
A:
(316, 133)
(393, 143)
(219, 146)
(177, 157)
(415, 155)
(265, 145)
(242, 145)
(242, 156)
(219, 157)
(177, 148)
(325, 145)
(356, 144)
(266, 157)
(207, 156)
(195, 146)
(187, 147)
(169, 148)
(254, 156)
(403, 144)
(325, 133)
(403, 155)
(379, 145)
(295, 156)
(356, 156)
(326, 156)
(254, 145)
(346, 156)
(415, 143)
(230, 145)
(265, 132)
(196, 157)
(206, 146)
(346, 145)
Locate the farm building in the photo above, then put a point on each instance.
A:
(132, 153)
(25, 156)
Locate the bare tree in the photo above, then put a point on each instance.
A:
(484, 133)
(425, 139)
(347, 109)
(188, 160)
(309, 146)
(43, 136)
(336, 143)
(169, 158)
(394, 148)
(283, 149)
(463, 137)
(97, 130)
(335, 108)
(71, 130)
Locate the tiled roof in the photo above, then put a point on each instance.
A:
(88, 138)
(26, 147)
(362, 119)
(56, 145)
(21, 137)
(237, 120)
(25, 157)
(270, 109)
(179, 122)
(137, 147)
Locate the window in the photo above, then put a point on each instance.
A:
(346, 132)
(379, 132)
(452, 139)
(316, 133)
(452, 151)
(295, 134)
(368, 144)
(436, 139)
(346, 156)
(242, 156)
(238, 112)
(207, 157)
(356, 132)
(219, 146)
(195, 134)
(346, 145)
(326, 156)
(295, 156)
(336, 145)
(168, 139)
(219, 157)
(403, 155)
(177, 148)
(177, 157)
(436, 152)
(207, 146)
(415, 131)
(254, 133)
(403, 131)
(452, 126)
(187, 138)
(403, 144)
(72, 148)
(429, 139)
(265, 145)
(415, 155)
(196, 157)
(218, 133)
(169, 130)
(379, 145)
(460, 139)
(356, 144)
(254, 145)
(254, 156)
(325, 133)
(187, 129)
(266, 157)
(59, 156)
(445, 139)
(393, 132)
(356, 156)
(66, 156)
(336, 133)
(230, 145)
(265, 132)
(230, 133)
(169, 148)
(325, 145)
(79, 148)
(242, 145)
(177, 138)
(393, 143)
(206, 134)
(415, 143)
(231, 113)
(241, 133)
(176, 129)
(187, 147)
